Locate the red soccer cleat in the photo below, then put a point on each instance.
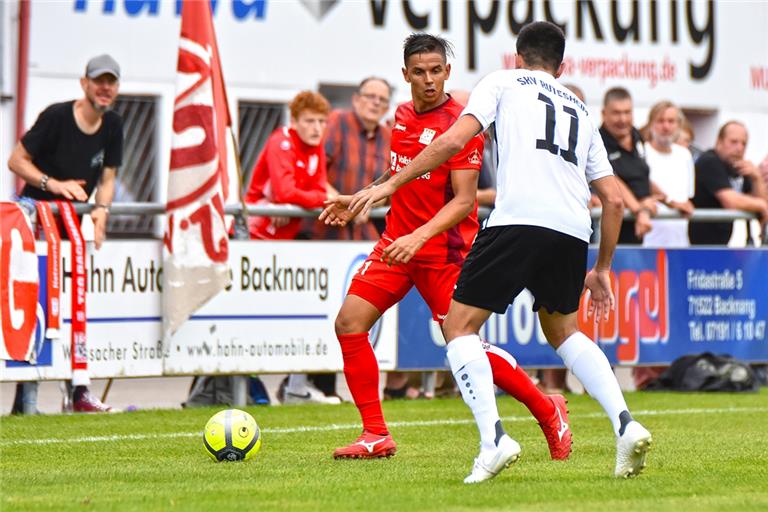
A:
(367, 446)
(89, 403)
(557, 431)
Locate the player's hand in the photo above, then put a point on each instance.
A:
(99, 217)
(363, 201)
(362, 218)
(601, 301)
(68, 189)
(337, 212)
(402, 249)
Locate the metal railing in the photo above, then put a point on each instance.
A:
(286, 210)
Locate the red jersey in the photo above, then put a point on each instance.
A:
(288, 171)
(417, 202)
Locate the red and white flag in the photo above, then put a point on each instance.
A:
(19, 284)
(196, 248)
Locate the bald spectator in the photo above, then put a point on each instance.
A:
(724, 179)
(627, 156)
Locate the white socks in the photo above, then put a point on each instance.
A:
(588, 363)
(472, 371)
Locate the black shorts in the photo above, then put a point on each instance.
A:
(505, 259)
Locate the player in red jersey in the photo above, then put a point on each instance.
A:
(429, 229)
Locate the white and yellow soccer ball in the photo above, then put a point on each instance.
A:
(231, 435)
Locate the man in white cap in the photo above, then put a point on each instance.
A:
(73, 149)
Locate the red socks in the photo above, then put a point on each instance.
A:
(362, 373)
(510, 377)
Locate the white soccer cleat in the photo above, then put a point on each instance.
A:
(490, 462)
(631, 449)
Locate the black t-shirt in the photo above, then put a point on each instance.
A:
(630, 166)
(62, 151)
(713, 175)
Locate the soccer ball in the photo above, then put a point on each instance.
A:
(231, 435)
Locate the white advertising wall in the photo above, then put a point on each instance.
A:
(276, 317)
(708, 56)
(679, 49)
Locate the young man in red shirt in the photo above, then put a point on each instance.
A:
(291, 168)
(429, 230)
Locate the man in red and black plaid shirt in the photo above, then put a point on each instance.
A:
(357, 149)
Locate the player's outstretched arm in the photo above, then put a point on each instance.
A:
(337, 211)
(598, 279)
(443, 148)
(609, 193)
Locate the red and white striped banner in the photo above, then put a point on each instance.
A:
(79, 321)
(53, 283)
(196, 245)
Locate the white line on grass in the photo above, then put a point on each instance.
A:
(356, 426)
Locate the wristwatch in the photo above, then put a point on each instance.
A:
(44, 182)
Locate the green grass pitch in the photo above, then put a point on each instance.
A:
(709, 453)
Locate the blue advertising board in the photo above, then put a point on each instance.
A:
(669, 303)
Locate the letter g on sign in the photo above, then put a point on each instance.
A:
(18, 283)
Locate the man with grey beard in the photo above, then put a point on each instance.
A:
(74, 148)
(671, 174)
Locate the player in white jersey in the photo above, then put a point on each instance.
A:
(550, 152)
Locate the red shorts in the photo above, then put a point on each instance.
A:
(384, 286)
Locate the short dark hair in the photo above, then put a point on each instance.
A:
(374, 79)
(724, 128)
(541, 43)
(421, 42)
(615, 94)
